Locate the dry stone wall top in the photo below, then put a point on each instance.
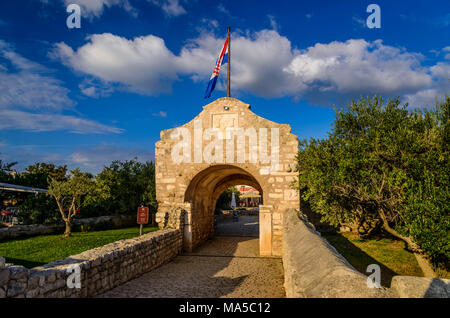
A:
(101, 268)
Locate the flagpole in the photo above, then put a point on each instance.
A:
(229, 63)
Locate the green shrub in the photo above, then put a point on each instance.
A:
(85, 228)
(103, 225)
(384, 166)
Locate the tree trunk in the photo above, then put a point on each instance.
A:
(411, 245)
(68, 231)
(355, 226)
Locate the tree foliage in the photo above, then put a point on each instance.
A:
(383, 166)
(124, 185)
(130, 184)
(72, 192)
(5, 171)
(224, 200)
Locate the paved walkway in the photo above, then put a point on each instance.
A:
(227, 266)
(245, 226)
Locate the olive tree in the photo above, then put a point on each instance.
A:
(383, 166)
(77, 190)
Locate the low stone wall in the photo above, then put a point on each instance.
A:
(421, 287)
(18, 231)
(313, 267)
(101, 268)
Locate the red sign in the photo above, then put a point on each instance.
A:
(142, 215)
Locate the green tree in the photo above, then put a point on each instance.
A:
(5, 171)
(39, 208)
(6, 177)
(383, 166)
(224, 200)
(37, 175)
(73, 192)
(130, 184)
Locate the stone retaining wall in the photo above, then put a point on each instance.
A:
(313, 267)
(18, 231)
(101, 268)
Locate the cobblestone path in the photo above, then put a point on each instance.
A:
(227, 266)
(245, 226)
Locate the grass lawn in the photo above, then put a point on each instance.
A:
(387, 252)
(39, 250)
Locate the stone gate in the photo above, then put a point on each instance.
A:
(225, 145)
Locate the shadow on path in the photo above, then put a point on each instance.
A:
(358, 258)
(226, 266)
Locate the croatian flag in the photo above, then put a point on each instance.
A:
(223, 58)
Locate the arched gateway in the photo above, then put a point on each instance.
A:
(225, 145)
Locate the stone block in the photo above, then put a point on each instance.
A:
(33, 282)
(18, 272)
(421, 287)
(32, 293)
(16, 288)
(4, 276)
(275, 195)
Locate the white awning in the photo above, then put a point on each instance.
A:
(18, 188)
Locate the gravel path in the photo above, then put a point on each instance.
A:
(226, 266)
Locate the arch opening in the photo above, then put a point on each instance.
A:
(202, 194)
(237, 212)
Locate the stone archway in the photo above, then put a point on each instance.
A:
(226, 144)
(202, 194)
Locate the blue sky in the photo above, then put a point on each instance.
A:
(84, 97)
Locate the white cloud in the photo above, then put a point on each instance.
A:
(95, 89)
(257, 61)
(28, 155)
(26, 86)
(223, 10)
(143, 65)
(90, 158)
(360, 22)
(18, 120)
(208, 24)
(170, 7)
(273, 22)
(264, 64)
(95, 8)
(94, 158)
(160, 114)
(32, 91)
(357, 67)
(428, 96)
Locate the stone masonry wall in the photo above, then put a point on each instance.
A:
(198, 183)
(313, 268)
(101, 268)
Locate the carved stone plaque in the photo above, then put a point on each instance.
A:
(223, 121)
